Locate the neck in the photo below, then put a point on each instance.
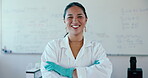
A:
(75, 38)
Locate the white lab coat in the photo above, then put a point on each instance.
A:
(59, 52)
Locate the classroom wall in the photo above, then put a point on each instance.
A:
(13, 66)
(115, 23)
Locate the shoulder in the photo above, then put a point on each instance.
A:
(95, 46)
(53, 45)
(55, 41)
(93, 43)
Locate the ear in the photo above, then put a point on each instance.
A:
(86, 19)
(64, 20)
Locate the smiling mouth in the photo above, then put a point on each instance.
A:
(75, 27)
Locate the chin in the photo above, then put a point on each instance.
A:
(76, 34)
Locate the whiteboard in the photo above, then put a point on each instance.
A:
(120, 25)
(0, 26)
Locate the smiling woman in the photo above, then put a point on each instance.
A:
(75, 21)
(74, 55)
(75, 17)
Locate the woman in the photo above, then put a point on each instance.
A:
(74, 56)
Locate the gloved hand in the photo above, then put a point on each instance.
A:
(67, 72)
(97, 62)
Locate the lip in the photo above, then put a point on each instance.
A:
(75, 27)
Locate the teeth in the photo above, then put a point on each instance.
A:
(75, 26)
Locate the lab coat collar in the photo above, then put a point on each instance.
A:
(65, 42)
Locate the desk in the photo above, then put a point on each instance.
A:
(33, 73)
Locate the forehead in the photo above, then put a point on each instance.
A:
(74, 10)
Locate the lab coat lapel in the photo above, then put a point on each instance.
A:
(80, 54)
(68, 51)
(82, 50)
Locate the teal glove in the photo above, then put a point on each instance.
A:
(67, 72)
(97, 62)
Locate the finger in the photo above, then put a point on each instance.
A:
(50, 62)
(49, 68)
(46, 66)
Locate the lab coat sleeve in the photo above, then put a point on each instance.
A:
(102, 70)
(49, 54)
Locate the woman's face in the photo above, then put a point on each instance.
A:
(75, 20)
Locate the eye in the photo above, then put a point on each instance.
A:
(80, 16)
(69, 17)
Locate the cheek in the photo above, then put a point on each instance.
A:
(83, 22)
(67, 22)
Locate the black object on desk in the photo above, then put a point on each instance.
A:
(134, 72)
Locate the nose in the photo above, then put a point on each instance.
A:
(75, 21)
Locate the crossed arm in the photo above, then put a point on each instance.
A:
(102, 70)
(66, 72)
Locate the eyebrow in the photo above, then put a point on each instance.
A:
(71, 14)
(80, 14)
